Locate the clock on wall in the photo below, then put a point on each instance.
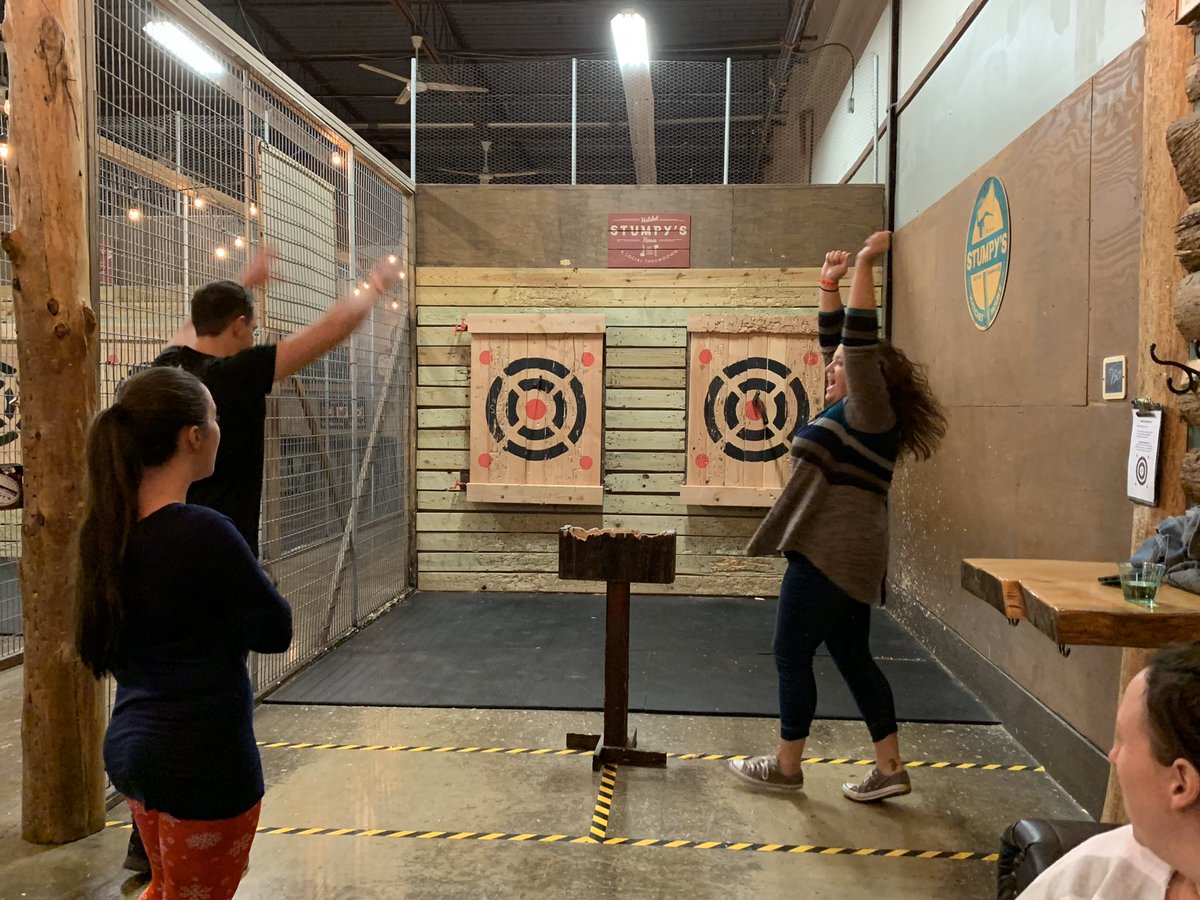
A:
(12, 488)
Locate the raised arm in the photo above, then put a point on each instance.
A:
(830, 314)
(296, 351)
(868, 406)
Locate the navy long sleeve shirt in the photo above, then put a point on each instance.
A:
(181, 738)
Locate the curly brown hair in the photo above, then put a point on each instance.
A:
(919, 417)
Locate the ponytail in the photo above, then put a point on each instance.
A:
(113, 475)
(140, 431)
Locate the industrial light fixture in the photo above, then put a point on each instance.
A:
(184, 48)
(629, 34)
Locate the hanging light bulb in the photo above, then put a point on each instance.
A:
(335, 159)
(198, 203)
(392, 259)
(4, 151)
(395, 305)
(357, 292)
(220, 253)
(134, 214)
(403, 275)
(239, 242)
(253, 210)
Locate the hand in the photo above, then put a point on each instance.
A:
(258, 270)
(875, 246)
(384, 276)
(836, 264)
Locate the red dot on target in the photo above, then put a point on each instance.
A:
(706, 356)
(535, 410)
(702, 461)
(486, 357)
(587, 359)
(485, 460)
(811, 358)
(586, 463)
(752, 412)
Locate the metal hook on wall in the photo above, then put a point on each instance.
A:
(1192, 375)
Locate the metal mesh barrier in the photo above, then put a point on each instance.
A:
(200, 164)
(569, 121)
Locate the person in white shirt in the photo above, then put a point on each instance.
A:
(1156, 754)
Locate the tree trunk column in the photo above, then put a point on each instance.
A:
(58, 356)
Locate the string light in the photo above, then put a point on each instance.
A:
(221, 253)
(357, 292)
(395, 305)
(253, 210)
(335, 159)
(403, 276)
(239, 243)
(134, 214)
(392, 260)
(198, 203)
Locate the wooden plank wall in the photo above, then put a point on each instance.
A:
(465, 546)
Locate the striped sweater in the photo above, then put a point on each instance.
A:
(834, 507)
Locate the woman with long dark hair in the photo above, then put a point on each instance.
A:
(831, 522)
(171, 600)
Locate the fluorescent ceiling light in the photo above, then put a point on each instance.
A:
(629, 32)
(179, 44)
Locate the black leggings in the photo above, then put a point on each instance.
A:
(814, 611)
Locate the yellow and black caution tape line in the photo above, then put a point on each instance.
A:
(604, 800)
(666, 843)
(697, 757)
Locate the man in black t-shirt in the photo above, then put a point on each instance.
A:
(217, 346)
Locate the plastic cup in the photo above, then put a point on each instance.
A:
(1140, 581)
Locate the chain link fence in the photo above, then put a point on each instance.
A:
(201, 163)
(809, 121)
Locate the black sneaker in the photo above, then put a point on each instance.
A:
(136, 859)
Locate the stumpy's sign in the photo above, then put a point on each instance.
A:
(649, 241)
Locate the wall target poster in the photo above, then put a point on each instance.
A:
(537, 402)
(753, 381)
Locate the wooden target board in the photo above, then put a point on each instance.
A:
(537, 403)
(753, 381)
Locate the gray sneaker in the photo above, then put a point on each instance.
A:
(764, 771)
(877, 786)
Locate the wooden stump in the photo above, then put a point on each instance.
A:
(1189, 476)
(618, 557)
(1183, 143)
(1187, 238)
(1187, 308)
(58, 351)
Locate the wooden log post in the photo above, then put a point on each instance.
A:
(1187, 307)
(58, 354)
(1169, 52)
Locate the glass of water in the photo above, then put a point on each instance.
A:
(1140, 581)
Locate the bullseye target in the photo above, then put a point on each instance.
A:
(537, 409)
(537, 391)
(753, 382)
(753, 407)
(10, 423)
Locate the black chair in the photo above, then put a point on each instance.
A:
(1032, 845)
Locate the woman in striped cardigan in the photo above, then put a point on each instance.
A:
(831, 522)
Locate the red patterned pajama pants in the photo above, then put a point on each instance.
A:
(193, 859)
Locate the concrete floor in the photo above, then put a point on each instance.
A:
(546, 795)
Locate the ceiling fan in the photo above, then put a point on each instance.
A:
(409, 88)
(486, 175)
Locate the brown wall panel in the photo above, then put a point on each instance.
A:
(1030, 468)
(539, 226)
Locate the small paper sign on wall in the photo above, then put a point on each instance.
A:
(1142, 475)
(649, 241)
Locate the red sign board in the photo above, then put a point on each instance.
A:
(649, 241)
